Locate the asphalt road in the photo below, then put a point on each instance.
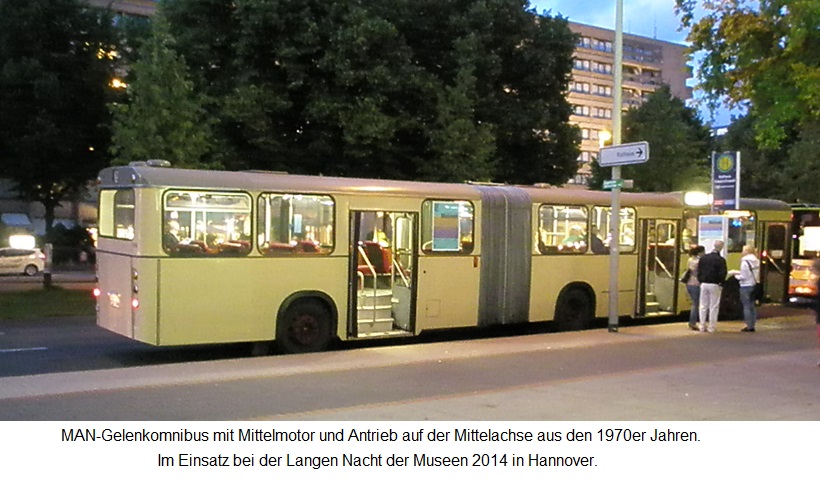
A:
(660, 372)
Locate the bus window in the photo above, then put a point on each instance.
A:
(447, 226)
(117, 214)
(626, 229)
(294, 224)
(562, 229)
(200, 223)
(741, 232)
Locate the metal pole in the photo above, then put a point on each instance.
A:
(615, 237)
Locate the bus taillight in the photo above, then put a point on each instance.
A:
(135, 303)
(97, 292)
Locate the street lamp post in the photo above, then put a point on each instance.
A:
(615, 213)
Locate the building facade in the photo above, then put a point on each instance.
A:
(647, 64)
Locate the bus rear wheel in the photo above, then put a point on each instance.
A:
(575, 310)
(304, 327)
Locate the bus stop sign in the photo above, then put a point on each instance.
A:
(631, 153)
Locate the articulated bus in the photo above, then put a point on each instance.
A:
(805, 247)
(202, 257)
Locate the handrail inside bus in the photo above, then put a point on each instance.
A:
(774, 263)
(659, 262)
(375, 279)
(400, 269)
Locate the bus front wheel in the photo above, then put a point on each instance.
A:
(304, 327)
(575, 310)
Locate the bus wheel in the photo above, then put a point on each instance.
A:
(575, 310)
(305, 327)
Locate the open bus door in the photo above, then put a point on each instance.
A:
(775, 262)
(382, 281)
(658, 267)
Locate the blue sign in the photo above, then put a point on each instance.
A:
(726, 180)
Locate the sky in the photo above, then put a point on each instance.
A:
(647, 18)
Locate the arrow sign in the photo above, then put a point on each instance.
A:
(631, 153)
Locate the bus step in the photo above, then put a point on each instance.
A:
(378, 325)
(381, 312)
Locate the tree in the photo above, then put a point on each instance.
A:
(678, 141)
(55, 67)
(164, 118)
(419, 89)
(764, 54)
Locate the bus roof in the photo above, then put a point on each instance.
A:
(163, 177)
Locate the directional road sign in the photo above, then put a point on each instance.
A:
(631, 153)
(613, 183)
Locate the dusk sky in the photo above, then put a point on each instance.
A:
(647, 18)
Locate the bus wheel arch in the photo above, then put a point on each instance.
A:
(575, 307)
(306, 322)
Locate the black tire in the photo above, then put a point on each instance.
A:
(31, 270)
(575, 310)
(304, 327)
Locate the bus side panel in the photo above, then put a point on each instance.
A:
(237, 299)
(550, 274)
(447, 292)
(114, 305)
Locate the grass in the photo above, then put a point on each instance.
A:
(54, 302)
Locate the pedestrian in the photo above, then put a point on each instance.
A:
(711, 273)
(692, 284)
(815, 268)
(748, 277)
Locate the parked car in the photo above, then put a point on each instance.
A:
(29, 261)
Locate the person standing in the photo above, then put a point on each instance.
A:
(693, 285)
(748, 276)
(711, 273)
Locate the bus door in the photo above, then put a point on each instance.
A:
(382, 273)
(658, 267)
(774, 261)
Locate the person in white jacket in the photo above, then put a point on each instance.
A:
(748, 276)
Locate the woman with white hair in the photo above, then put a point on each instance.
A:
(748, 276)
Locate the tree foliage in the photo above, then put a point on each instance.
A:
(787, 172)
(163, 118)
(764, 54)
(678, 145)
(54, 73)
(414, 89)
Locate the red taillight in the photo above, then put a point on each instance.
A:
(135, 303)
(97, 292)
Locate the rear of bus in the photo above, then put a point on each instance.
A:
(117, 249)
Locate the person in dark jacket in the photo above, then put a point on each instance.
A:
(711, 273)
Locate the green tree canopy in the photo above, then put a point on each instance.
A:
(764, 54)
(678, 146)
(55, 67)
(422, 89)
(163, 118)
(787, 172)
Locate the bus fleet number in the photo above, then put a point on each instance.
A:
(489, 460)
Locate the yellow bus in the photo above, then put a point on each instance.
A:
(201, 257)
